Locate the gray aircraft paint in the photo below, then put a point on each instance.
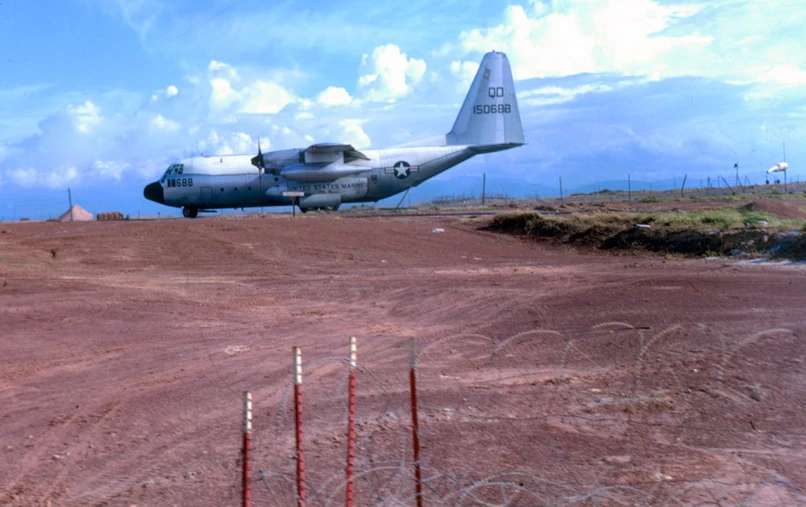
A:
(330, 175)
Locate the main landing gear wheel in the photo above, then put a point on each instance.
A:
(189, 212)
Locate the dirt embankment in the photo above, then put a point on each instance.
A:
(763, 229)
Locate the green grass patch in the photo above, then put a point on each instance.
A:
(722, 219)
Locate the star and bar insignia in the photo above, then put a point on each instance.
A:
(402, 169)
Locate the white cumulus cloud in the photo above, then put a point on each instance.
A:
(85, 116)
(230, 95)
(783, 74)
(351, 131)
(222, 95)
(109, 169)
(160, 122)
(465, 71)
(231, 143)
(334, 96)
(264, 97)
(391, 74)
(169, 92)
(222, 69)
(54, 179)
(596, 36)
(557, 95)
(23, 177)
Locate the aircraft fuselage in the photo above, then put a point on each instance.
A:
(388, 172)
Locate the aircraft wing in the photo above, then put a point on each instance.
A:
(326, 150)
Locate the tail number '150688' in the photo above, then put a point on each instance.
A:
(181, 182)
(492, 109)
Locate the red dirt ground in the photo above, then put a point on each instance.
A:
(547, 376)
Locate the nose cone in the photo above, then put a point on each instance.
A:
(153, 192)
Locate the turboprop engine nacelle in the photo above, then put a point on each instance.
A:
(310, 173)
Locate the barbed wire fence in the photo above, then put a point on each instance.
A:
(622, 190)
(612, 415)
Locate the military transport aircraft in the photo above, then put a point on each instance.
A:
(325, 175)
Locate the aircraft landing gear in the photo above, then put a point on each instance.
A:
(189, 212)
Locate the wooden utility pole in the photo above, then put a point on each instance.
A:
(483, 188)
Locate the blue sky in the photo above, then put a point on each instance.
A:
(101, 95)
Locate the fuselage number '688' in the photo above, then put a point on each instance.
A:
(180, 182)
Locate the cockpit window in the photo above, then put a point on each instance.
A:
(172, 170)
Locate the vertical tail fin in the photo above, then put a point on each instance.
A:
(489, 115)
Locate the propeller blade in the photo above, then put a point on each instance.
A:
(257, 160)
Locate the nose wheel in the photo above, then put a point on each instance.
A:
(190, 212)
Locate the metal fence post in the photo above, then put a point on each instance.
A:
(298, 426)
(415, 426)
(247, 446)
(351, 393)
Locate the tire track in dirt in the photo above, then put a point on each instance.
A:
(28, 485)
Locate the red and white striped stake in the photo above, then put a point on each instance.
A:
(351, 423)
(415, 426)
(247, 446)
(298, 426)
